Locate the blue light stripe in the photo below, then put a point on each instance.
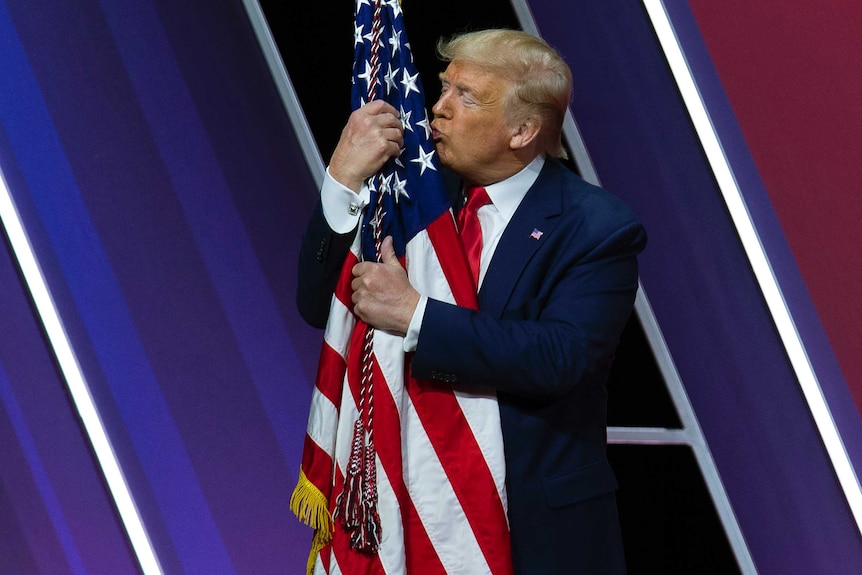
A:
(96, 294)
(40, 476)
(197, 180)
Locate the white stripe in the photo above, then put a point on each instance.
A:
(321, 414)
(480, 409)
(428, 278)
(344, 434)
(758, 258)
(428, 486)
(392, 552)
(483, 416)
(339, 328)
(436, 503)
(334, 567)
(389, 353)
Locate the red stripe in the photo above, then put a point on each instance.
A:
(387, 438)
(466, 469)
(317, 465)
(325, 557)
(343, 291)
(421, 556)
(442, 419)
(453, 260)
(351, 562)
(330, 375)
(354, 359)
(447, 428)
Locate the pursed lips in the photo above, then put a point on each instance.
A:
(435, 133)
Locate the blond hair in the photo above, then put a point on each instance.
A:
(540, 81)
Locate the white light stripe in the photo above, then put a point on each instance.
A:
(649, 436)
(76, 382)
(757, 257)
(285, 89)
(690, 433)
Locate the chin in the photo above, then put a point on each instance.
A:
(444, 159)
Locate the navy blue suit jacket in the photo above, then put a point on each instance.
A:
(551, 310)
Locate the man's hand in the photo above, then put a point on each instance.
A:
(382, 294)
(373, 134)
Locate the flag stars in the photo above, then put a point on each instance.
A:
(405, 119)
(389, 79)
(357, 34)
(377, 220)
(366, 75)
(395, 42)
(385, 186)
(424, 161)
(425, 124)
(399, 188)
(409, 83)
(396, 8)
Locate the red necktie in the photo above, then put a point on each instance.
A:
(469, 228)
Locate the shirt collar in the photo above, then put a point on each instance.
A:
(507, 194)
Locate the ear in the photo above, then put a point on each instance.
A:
(525, 133)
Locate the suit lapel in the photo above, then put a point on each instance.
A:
(531, 225)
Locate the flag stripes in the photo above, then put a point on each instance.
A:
(440, 468)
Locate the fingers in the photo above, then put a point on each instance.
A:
(380, 107)
(382, 294)
(373, 134)
(387, 252)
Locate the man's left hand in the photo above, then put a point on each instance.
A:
(382, 294)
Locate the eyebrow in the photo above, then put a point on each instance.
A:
(462, 87)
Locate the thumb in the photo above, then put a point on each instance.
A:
(387, 252)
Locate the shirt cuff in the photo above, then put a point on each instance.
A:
(411, 338)
(342, 207)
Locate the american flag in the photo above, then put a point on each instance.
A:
(435, 493)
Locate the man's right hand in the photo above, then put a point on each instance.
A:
(373, 134)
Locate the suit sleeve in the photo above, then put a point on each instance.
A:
(548, 344)
(321, 257)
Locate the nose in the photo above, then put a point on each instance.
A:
(439, 108)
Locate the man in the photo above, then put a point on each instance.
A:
(557, 278)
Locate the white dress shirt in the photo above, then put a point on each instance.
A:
(342, 208)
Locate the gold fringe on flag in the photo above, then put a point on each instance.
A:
(312, 508)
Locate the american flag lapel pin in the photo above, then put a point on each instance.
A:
(536, 234)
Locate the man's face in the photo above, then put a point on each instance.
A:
(469, 128)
